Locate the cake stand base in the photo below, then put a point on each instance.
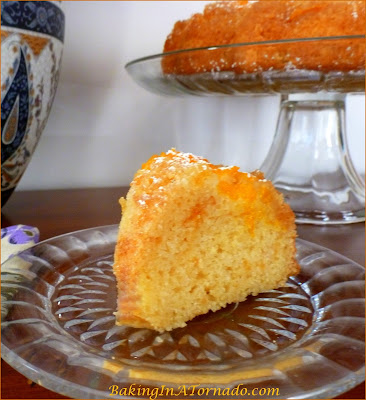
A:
(309, 161)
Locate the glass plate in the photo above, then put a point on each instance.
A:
(58, 299)
(246, 68)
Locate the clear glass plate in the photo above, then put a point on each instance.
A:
(58, 299)
(220, 70)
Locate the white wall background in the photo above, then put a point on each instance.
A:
(103, 126)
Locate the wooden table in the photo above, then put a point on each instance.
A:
(56, 212)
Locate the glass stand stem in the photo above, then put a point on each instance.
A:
(310, 164)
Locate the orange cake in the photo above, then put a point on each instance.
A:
(229, 22)
(195, 237)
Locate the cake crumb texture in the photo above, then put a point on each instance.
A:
(195, 237)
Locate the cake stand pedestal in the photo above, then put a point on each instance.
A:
(309, 161)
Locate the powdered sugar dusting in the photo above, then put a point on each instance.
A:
(185, 158)
(151, 183)
(354, 11)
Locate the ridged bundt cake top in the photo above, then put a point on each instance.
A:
(233, 22)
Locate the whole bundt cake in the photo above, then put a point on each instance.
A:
(233, 22)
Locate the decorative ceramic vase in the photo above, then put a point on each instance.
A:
(32, 34)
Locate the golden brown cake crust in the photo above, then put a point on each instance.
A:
(229, 22)
(196, 236)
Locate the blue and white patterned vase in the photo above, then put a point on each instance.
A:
(32, 35)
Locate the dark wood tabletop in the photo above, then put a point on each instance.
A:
(56, 212)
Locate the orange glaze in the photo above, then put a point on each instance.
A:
(199, 210)
(236, 185)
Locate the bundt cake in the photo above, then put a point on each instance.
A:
(230, 22)
(195, 237)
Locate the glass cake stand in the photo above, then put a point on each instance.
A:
(308, 160)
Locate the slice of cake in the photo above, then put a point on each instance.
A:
(195, 237)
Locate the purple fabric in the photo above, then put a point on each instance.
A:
(20, 234)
